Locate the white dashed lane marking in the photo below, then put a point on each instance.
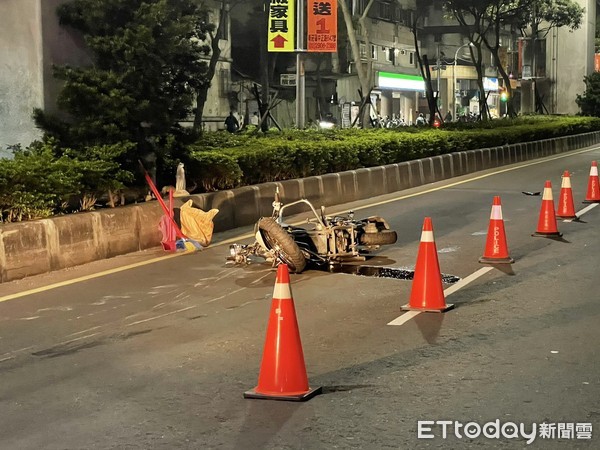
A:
(455, 287)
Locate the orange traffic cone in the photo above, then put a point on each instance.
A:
(547, 226)
(427, 293)
(593, 190)
(566, 207)
(282, 372)
(496, 249)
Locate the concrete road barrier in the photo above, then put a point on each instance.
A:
(34, 247)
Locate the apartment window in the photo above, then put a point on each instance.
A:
(374, 52)
(359, 6)
(385, 11)
(411, 58)
(405, 17)
(363, 50)
(224, 82)
(390, 54)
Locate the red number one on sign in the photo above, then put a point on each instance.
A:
(322, 24)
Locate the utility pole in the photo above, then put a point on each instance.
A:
(534, 32)
(300, 49)
(264, 73)
(439, 71)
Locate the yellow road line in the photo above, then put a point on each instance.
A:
(88, 277)
(248, 235)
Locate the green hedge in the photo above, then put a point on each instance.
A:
(43, 180)
(46, 179)
(222, 160)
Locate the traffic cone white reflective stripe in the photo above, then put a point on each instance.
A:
(282, 290)
(496, 212)
(593, 190)
(427, 236)
(566, 182)
(547, 195)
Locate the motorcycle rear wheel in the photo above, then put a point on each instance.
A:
(383, 237)
(283, 244)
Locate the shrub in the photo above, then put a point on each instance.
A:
(250, 158)
(213, 170)
(44, 178)
(37, 183)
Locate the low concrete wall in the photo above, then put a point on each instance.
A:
(30, 248)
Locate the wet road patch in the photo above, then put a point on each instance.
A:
(384, 272)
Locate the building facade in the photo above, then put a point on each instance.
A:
(567, 57)
(32, 41)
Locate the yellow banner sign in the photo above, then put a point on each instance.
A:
(282, 26)
(322, 26)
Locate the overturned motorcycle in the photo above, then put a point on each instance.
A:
(323, 241)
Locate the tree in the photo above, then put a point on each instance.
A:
(423, 61)
(472, 15)
(363, 70)
(535, 17)
(146, 67)
(486, 20)
(36, 183)
(538, 17)
(502, 13)
(215, 36)
(541, 16)
(589, 102)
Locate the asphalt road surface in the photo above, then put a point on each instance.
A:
(148, 351)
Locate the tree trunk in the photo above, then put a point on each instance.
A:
(202, 94)
(364, 73)
(423, 61)
(484, 113)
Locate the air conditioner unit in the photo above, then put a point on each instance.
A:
(403, 52)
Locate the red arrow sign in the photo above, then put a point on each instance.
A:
(279, 41)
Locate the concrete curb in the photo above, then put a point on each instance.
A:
(31, 248)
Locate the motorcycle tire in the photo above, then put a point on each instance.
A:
(282, 242)
(383, 237)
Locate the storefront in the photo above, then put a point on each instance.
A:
(397, 95)
(490, 86)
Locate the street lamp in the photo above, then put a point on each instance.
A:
(470, 44)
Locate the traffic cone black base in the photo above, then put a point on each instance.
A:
(485, 260)
(448, 307)
(290, 398)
